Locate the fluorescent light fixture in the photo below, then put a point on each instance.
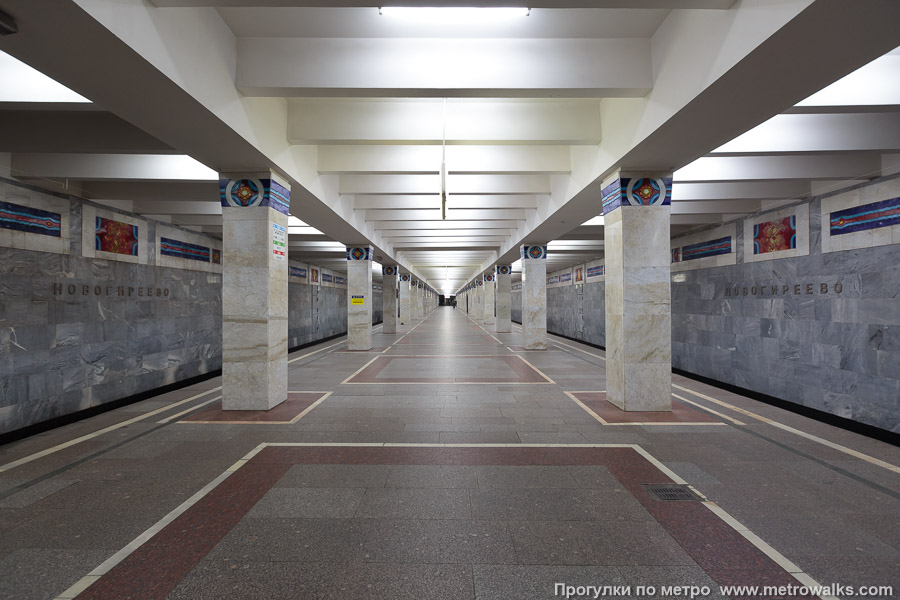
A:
(454, 15)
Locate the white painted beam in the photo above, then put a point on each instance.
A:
(543, 121)
(422, 201)
(177, 207)
(398, 232)
(715, 206)
(737, 190)
(443, 225)
(667, 4)
(369, 67)
(371, 158)
(456, 184)
(761, 168)
(820, 133)
(452, 214)
(113, 166)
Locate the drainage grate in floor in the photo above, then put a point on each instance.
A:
(668, 492)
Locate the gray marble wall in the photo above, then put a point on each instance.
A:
(834, 352)
(61, 352)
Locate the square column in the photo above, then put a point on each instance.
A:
(424, 291)
(479, 301)
(414, 302)
(504, 298)
(405, 301)
(359, 298)
(637, 211)
(534, 297)
(488, 295)
(389, 299)
(254, 291)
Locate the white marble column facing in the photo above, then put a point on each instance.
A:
(389, 299)
(490, 320)
(255, 210)
(415, 303)
(359, 297)
(504, 298)
(637, 209)
(405, 302)
(534, 297)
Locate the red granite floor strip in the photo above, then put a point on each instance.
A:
(154, 569)
(609, 412)
(285, 412)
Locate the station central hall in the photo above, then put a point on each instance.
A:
(449, 300)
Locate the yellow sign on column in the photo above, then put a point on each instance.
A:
(357, 300)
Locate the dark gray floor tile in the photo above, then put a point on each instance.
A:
(410, 503)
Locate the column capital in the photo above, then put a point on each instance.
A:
(503, 269)
(245, 190)
(390, 270)
(360, 253)
(636, 188)
(489, 277)
(537, 252)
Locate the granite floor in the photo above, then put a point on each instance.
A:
(447, 462)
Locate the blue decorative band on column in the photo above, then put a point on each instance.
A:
(504, 270)
(479, 283)
(489, 277)
(639, 191)
(389, 270)
(421, 286)
(30, 220)
(244, 193)
(364, 253)
(534, 252)
(404, 277)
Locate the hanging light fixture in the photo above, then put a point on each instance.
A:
(444, 163)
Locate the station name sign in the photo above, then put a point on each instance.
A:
(114, 291)
(784, 289)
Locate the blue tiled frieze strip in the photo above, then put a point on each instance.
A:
(867, 216)
(183, 250)
(29, 220)
(705, 249)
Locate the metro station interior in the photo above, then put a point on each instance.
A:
(449, 300)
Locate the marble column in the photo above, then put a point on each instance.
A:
(504, 298)
(254, 290)
(478, 313)
(488, 294)
(424, 300)
(534, 297)
(359, 298)
(415, 306)
(389, 299)
(405, 301)
(637, 208)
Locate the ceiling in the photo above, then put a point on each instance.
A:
(362, 112)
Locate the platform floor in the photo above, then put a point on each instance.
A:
(447, 463)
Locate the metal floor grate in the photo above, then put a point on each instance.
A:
(669, 492)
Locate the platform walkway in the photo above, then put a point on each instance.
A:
(445, 463)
